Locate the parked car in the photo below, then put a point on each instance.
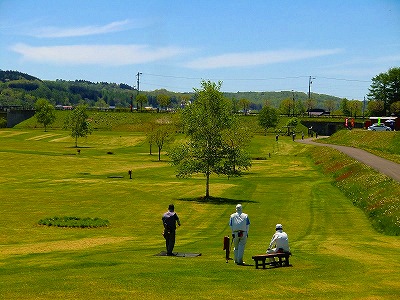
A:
(379, 127)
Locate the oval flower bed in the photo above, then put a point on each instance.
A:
(74, 222)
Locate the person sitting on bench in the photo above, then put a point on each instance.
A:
(279, 242)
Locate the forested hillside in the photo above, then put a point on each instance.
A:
(23, 90)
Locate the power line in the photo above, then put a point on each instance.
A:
(226, 79)
(291, 79)
(344, 79)
(256, 79)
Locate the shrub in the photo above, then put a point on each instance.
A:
(74, 222)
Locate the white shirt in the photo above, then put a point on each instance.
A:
(280, 239)
(239, 222)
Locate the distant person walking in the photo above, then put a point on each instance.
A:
(169, 219)
(239, 223)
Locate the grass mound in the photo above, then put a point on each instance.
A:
(384, 144)
(376, 194)
(74, 222)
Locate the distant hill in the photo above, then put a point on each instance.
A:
(23, 90)
(15, 75)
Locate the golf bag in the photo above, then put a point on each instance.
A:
(227, 248)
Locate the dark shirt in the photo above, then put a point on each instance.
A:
(169, 220)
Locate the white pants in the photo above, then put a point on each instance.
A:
(239, 243)
(273, 250)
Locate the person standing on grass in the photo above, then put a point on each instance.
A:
(279, 242)
(169, 219)
(239, 223)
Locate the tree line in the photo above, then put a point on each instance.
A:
(23, 90)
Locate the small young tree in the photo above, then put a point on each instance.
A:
(150, 136)
(206, 119)
(77, 122)
(45, 113)
(291, 124)
(236, 140)
(162, 135)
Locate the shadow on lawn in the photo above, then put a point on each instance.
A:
(216, 200)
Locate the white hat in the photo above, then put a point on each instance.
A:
(239, 208)
(278, 226)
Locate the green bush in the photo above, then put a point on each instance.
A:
(74, 222)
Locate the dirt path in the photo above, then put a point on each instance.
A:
(380, 164)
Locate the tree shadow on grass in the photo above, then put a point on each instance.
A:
(216, 200)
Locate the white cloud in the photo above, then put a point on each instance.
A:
(96, 54)
(257, 58)
(56, 32)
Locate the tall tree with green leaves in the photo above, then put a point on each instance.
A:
(268, 117)
(395, 108)
(141, 99)
(206, 151)
(45, 112)
(163, 100)
(344, 107)
(77, 121)
(385, 87)
(375, 108)
(245, 105)
(287, 107)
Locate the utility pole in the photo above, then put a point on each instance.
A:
(309, 86)
(138, 89)
(138, 80)
(363, 110)
(294, 103)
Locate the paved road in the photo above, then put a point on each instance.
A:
(380, 164)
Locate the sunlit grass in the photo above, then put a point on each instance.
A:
(336, 252)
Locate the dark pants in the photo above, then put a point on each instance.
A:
(170, 241)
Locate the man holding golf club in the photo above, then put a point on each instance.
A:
(169, 219)
(239, 223)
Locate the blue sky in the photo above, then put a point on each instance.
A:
(249, 45)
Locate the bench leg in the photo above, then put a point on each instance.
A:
(280, 261)
(287, 261)
(263, 263)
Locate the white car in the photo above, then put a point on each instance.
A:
(379, 127)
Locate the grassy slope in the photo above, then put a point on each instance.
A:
(385, 144)
(337, 254)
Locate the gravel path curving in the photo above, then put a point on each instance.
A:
(380, 164)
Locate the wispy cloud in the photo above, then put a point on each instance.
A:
(257, 58)
(57, 32)
(97, 54)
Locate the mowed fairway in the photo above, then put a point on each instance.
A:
(336, 253)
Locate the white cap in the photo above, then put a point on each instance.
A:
(239, 208)
(278, 226)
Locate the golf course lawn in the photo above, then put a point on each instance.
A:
(336, 252)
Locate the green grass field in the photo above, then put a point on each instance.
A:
(336, 252)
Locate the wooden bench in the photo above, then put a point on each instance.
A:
(283, 257)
